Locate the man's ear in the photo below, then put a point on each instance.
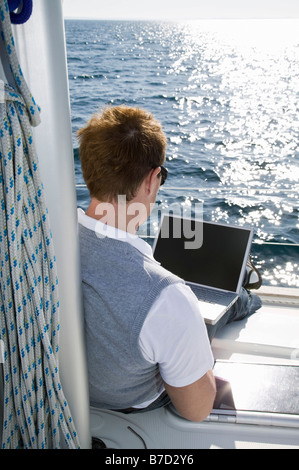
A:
(153, 179)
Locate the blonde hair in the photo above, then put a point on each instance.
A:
(117, 150)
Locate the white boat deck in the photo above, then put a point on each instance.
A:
(270, 336)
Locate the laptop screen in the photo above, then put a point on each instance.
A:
(203, 253)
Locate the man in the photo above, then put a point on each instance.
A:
(147, 343)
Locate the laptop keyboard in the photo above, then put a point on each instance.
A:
(213, 296)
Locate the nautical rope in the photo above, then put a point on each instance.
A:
(36, 413)
(25, 12)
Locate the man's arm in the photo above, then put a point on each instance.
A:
(195, 401)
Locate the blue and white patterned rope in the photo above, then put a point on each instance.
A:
(36, 413)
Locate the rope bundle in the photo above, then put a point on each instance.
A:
(25, 12)
(36, 413)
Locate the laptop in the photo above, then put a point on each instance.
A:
(256, 393)
(210, 257)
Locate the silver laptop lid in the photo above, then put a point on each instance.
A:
(206, 253)
(256, 393)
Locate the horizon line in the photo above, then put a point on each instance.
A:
(183, 19)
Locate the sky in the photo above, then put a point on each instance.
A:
(180, 9)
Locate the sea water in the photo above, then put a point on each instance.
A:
(227, 95)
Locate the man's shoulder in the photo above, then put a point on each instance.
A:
(179, 293)
(157, 270)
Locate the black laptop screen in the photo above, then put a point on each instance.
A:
(216, 257)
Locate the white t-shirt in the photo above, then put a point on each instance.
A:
(173, 334)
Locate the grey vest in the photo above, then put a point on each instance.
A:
(120, 285)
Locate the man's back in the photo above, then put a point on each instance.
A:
(119, 287)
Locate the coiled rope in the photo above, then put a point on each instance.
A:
(36, 413)
(23, 14)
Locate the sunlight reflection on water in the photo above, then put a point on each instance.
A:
(226, 93)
